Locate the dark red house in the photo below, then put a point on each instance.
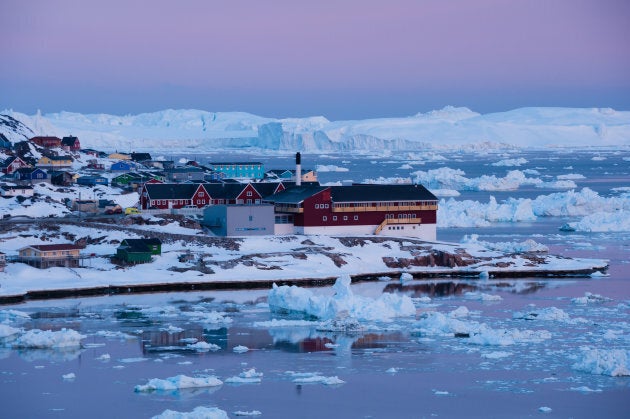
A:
(47, 142)
(70, 143)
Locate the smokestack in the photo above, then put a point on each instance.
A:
(298, 169)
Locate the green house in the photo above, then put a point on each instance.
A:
(138, 250)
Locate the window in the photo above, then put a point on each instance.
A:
(316, 206)
(251, 218)
(249, 202)
(326, 206)
(345, 218)
(334, 218)
(324, 218)
(356, 218)
(200, 194)
(249, 193)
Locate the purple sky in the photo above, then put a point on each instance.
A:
(340, 59)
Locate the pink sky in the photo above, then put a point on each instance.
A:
(341, 59)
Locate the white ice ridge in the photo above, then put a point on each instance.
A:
(601, 213)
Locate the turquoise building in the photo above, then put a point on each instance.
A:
(239, 170)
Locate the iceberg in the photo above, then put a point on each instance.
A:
(612, 362)
(296, 299)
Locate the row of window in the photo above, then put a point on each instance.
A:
(345, 218)
(381, 204)
(400, 216)
(180, 202)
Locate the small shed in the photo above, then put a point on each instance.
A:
(240, 220)
(138, 250)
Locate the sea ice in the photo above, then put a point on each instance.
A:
(612, 362)
(318, 379)
(511, 162)
(178, 382)
(202, 346)
(240, 349)
(249, 376)
(200, 412)
(247, 413)
(590, 298)
(36, 338)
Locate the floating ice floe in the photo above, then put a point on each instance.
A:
(240, 349)
(315, 378)
(202, 346)
(496, 355)
(480, 296)
(545, 409)
(172, 329)
(200, 412)
(510, 162)
(178, 382)
(69, 377)
(296, 299)
(439, 324)
(342, 323)
(612, 362)
(590, 298)
(207, 316)
(586, 389)
(547, 314)
(249, 376)
(35, 338)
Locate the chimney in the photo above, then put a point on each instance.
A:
(298, 169)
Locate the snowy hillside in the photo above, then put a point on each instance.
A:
(446, 128)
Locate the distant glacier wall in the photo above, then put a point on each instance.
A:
(451, 127)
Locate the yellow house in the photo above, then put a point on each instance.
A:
(54, 162)
(119, 156)
(309, 176)
(47, 255)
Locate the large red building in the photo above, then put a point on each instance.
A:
(396, 210)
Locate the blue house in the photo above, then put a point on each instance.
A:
(30, 175)
(121, 166)
(92, 180)
(4, 142)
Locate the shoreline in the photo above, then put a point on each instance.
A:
(163, 287)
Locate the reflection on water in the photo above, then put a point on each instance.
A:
(459, 288)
